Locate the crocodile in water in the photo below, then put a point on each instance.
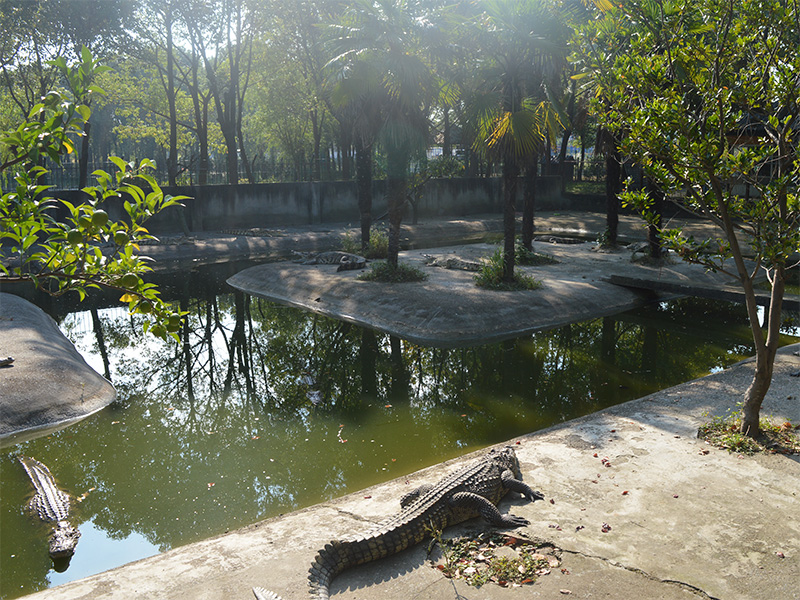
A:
(51, 504)
(345, 260)
(474, 490)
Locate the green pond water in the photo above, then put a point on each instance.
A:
(263, 409)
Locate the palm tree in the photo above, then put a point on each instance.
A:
(383, 39)
(355, 100)
(513, 121)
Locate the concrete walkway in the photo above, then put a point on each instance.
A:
(684, 520)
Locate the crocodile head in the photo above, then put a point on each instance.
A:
(63, 541)
(506, 458)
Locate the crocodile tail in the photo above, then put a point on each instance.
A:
(328, 563)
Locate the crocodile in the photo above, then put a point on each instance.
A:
(452, 262)
(51, 504)
(345, 260)
(472, 491)
(554, 239)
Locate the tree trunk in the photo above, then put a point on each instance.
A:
(562, 159)
(529, 202)
(172, 159)
(510, 174)
(654, 228)
(248, 170)
(447, 146)
(765, 353)
(231, 156)
(396, 196)
(364, 189)
(316, 128)
(613, 177)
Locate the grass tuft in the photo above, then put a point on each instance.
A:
(723, 432)
(490, 277)
(378, 244)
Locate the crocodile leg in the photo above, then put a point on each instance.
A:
(486, 509)
(515, 485)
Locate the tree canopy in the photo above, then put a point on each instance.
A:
(706, 95)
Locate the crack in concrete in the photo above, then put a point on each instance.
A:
(682, 584)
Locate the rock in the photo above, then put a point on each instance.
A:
(48, 385)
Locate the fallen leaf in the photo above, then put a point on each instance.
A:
(552, 501)
(367, 497)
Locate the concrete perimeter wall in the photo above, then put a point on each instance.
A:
(217, 207)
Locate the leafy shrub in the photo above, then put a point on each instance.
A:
(378, 244)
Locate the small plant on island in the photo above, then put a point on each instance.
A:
(725, 432)
(490, 277)
(529, 258)
(384, 272)
(378, 244)
(606, 242)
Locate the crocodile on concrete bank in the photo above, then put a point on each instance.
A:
(51, 504)
(472, 491)
(452, 262)
(345, 260)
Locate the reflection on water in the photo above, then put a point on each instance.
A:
(262, 409)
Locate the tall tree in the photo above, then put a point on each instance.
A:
(708, 93)
(222, 34)
(385, 37)
(512, 121)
